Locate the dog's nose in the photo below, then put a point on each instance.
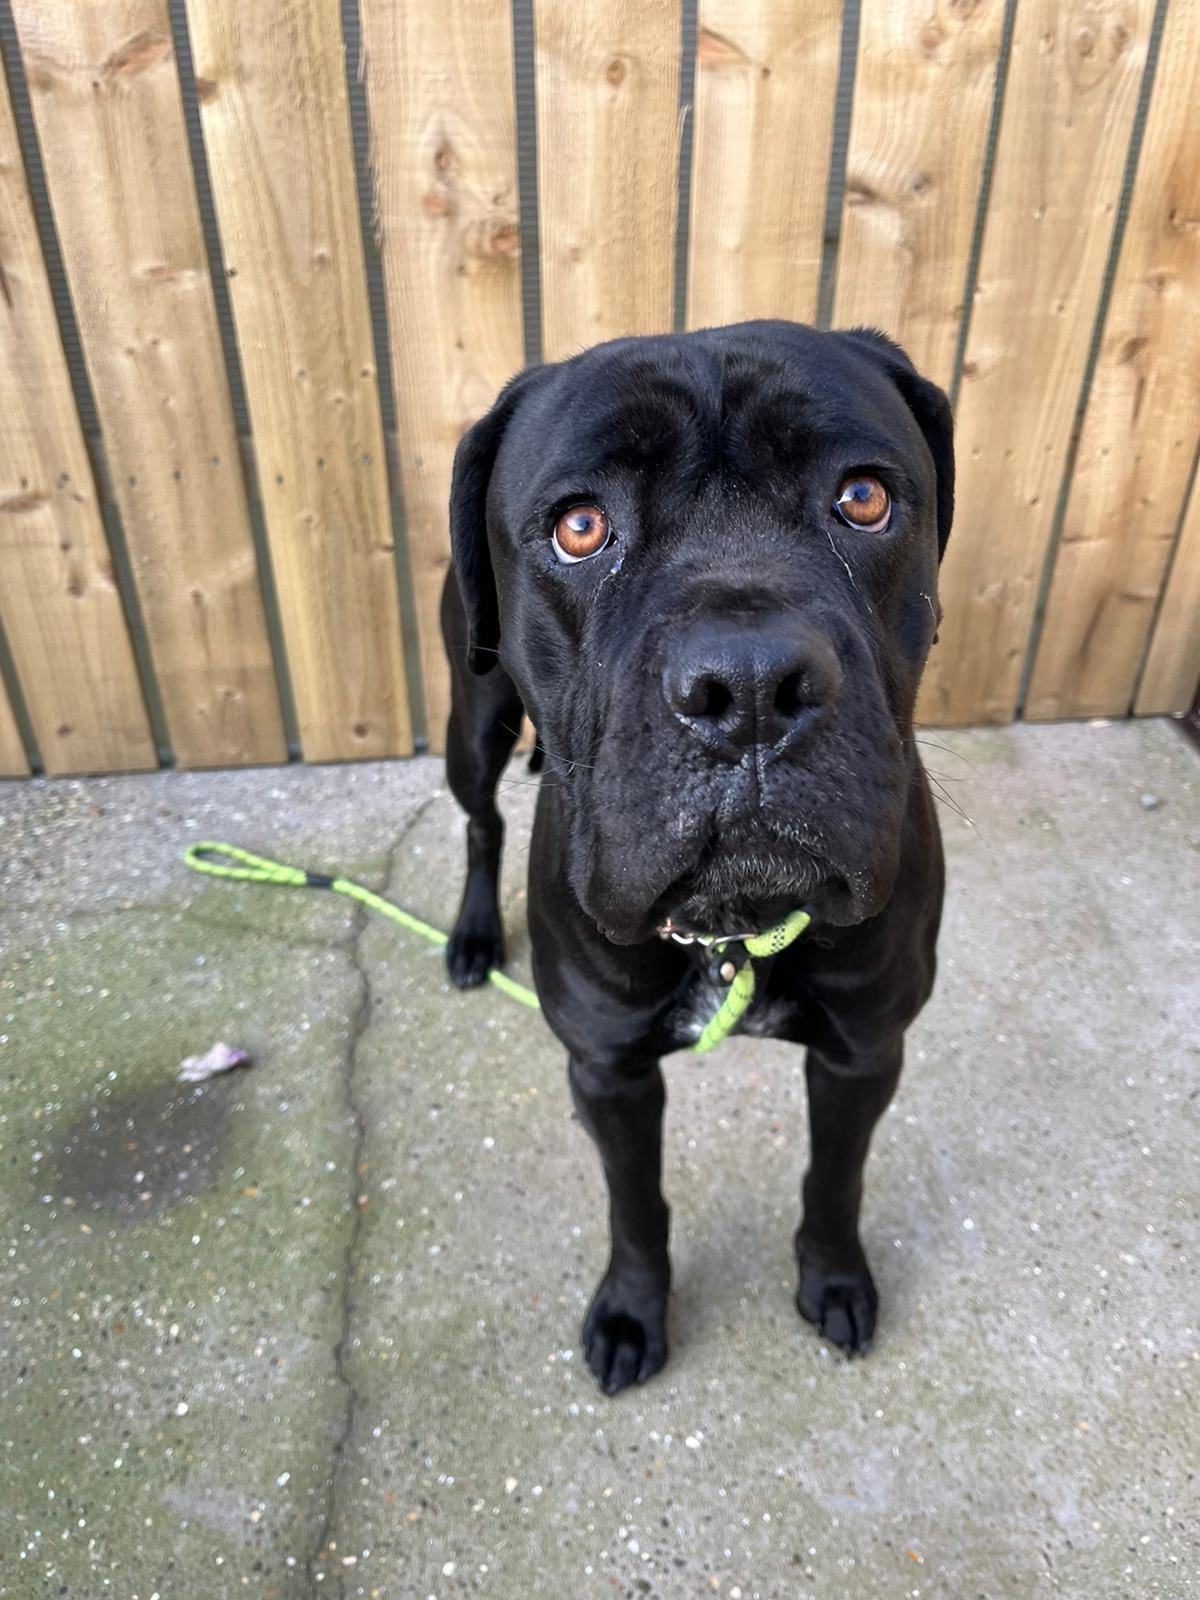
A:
(737, 686)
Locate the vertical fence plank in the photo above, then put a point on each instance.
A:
(1171, 677)
(1139, 434)
(766, 85)
(106, 100)
(923, 91)
(59, 603)
(276, 124)
(1072, 91)
(12, 752)
(443, 143)
(608, 112)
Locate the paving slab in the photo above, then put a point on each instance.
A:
(398, 1224)
(176, 1256)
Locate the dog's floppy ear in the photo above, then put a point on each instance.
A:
(473, 463)
(931, 409)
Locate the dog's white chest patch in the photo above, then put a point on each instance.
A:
(704, 999)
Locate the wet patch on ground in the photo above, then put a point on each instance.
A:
(135, 1154)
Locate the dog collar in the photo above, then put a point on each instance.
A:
(757, 947)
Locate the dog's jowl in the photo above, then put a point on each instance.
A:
(706, 566)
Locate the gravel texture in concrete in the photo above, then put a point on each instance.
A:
(311, 1328)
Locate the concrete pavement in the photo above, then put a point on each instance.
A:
(311, 1329)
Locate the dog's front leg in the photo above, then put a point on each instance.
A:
(847, 1095)
(625, 1330)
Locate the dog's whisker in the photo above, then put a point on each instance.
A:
(505, 784)
(949, 750)
(949, 800)
(570, 762)
(472, 649)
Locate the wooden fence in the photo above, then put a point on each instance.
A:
(213, 540)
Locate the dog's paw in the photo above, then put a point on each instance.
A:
(625, 1332)
(841, 1303)
(476, 944)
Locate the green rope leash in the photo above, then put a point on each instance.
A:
(213, 860)
(257, 869)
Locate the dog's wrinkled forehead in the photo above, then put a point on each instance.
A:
(671, 406)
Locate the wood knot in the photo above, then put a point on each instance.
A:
(1131, 348)
(859, 193)
(1085, 42)
(206, 90)
(436, 202)
(932, 35)
(16, 503)
(138, 53)
(615, 72)
(715, 50)
(504, 239)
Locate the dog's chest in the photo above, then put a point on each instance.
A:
(771, 1013)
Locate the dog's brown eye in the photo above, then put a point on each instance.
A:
(864, 503)
(579, 533)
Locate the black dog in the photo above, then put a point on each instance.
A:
(706, 565)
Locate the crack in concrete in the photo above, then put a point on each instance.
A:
(360, 1024)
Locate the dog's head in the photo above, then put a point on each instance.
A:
(709, 563)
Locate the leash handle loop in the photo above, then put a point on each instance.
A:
(214, 860)
(204, 857)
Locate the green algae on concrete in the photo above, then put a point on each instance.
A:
(176, 1255)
